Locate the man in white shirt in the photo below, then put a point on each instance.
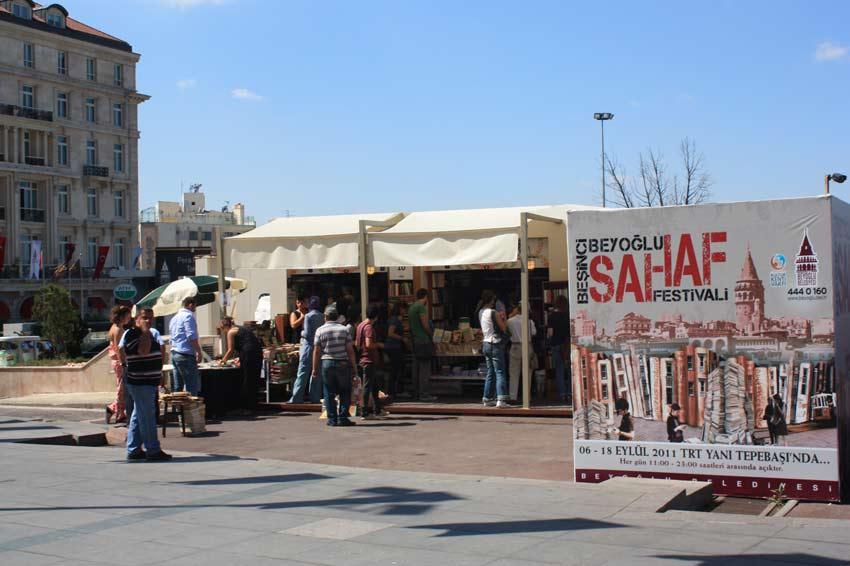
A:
(515, 362)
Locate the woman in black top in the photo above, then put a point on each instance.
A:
(247, 347)
(774, 414)
(626, 431)
(674, 433)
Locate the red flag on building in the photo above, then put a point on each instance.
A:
(64, 269)
(102, 252)
(2, 250)
(69, 252)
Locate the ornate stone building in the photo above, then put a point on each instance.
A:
(68, 153)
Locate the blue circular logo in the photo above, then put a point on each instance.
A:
(777, 262)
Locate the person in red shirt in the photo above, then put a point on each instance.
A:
(370, 351)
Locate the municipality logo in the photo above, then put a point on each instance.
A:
(778, 276)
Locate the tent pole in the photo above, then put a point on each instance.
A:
(363, 265)
(526, 308)
(222, 307)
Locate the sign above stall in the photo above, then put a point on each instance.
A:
(401, 273)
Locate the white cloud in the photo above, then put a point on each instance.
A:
(829, 51)
(244, 94)
(186, 4)
(186, 84)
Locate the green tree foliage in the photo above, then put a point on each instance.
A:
(58, 317)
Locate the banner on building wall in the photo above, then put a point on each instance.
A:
(35, 260)
(704, 346)
(102, 253)
(137, 256)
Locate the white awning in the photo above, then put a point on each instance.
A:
(457, 237)
(307, 242)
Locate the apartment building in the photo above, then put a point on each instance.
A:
(68, 153)
(173, 234)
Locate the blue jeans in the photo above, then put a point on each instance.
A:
(128, 399)
(305, 368)
(337, 381)
(495, 384)
(558, 364)
(142, 426)
(185, 375)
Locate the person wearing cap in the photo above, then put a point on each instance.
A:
(310, 323)
(626, 430)
(333, 352)
(674, 428)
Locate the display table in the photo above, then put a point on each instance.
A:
(220, 387)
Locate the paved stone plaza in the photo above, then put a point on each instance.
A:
(74, 505)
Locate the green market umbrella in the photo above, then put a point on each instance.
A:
(167, 299)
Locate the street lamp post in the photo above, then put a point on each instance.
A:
(837, 177)
(602, 116)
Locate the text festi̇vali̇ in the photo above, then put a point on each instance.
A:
(597, 280)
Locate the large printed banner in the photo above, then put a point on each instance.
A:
(704, 346)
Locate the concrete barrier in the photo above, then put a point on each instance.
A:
(95, 375)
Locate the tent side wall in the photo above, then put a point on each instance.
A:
(557, 236)
(841, 275)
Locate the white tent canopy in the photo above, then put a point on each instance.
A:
(457, 237)
(304, 242)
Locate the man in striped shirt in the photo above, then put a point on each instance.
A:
(333, 352)
(142, 356)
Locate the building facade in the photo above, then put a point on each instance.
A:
(173, 234)
(68, 153)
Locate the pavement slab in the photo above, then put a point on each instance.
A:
(76, 505)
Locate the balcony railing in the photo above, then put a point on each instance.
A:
(32, 113)
(95, 171)
(32, 215)
(30, 160)
(22, 272)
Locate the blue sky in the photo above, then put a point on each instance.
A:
(358, 106)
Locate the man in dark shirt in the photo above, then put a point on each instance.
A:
(369, 347)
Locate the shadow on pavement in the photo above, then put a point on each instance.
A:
(395, 501)
(378, 424)
(742, 559)
(518, 527)
(203, 458)
(385, 500)
(256, 479)
(41, 427)
(422, 419)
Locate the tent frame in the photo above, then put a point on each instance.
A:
(363, 252)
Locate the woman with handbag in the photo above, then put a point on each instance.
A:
(493, 326)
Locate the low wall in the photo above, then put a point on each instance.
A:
(95, 375)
